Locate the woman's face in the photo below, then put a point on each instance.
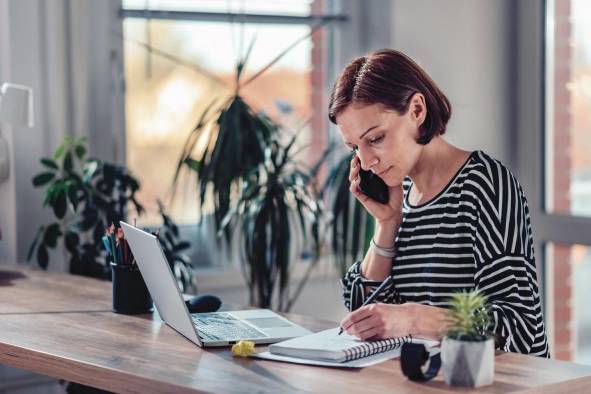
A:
(384, 141)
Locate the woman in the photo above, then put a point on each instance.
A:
(455, 220)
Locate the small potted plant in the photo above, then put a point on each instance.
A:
(468, 349)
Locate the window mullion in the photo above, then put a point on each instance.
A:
(197, 16)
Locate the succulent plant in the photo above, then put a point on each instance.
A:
(468, 317)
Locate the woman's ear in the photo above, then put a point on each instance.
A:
(418, 108)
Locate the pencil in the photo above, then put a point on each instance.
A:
(374, 295)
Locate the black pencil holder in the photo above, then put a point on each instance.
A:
(130, 294)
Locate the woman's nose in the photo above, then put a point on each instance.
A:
(367, 160)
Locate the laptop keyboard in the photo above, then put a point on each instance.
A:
(223, 327)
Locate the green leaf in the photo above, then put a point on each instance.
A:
(134, 185)
(34, 243)
(68, 162)
(193, 164)
(242, 62)
(43, 178)
(59, 205)
(42, 256)
(169, 238)
(86, 224)
(49, 163)
(138, 207)
(71, 241)
(59, 151)
(73, 196)
(80, 151)
(51, 234)
(193, 138)
(182, 246)
(52, 192)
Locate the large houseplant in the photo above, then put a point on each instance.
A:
(234, 147)
(468, 349)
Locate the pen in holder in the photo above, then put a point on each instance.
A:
(130, 294)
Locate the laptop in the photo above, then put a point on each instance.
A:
(204, 329)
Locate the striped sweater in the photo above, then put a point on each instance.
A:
(475, 234)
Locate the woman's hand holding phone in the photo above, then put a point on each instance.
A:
(389, 212)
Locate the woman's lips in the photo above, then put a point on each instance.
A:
(383, 172)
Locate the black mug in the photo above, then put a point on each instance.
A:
(130, 294)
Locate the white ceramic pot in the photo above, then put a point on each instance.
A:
(468, 364)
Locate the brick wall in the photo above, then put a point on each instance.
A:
(318, 99)
(561, 144)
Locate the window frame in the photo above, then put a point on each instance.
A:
(532, 127)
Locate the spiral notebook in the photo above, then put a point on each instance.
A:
(328, 346)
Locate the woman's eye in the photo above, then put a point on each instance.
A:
(376, 140)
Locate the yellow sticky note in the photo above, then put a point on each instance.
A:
(243, 348)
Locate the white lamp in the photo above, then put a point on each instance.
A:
(16, 108)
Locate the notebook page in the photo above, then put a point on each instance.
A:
(328, 340)
(324, 345)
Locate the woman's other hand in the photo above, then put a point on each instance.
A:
(382, 213)
(379, 321)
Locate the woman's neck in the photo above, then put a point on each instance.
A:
(438, 163)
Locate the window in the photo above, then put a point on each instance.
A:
(568, 168)
(569, 270)
(179, 55)
(563, 216)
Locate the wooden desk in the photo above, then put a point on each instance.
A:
(61, 326)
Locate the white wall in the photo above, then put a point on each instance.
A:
(69, 52)
(7, 195)
(467, 48)
(21, 51)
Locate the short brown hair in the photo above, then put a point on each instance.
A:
(390, 78)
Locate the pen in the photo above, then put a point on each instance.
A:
(374, 295)
(107, 244)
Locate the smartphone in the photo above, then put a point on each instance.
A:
(373, 186)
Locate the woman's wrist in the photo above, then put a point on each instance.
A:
(385, 233)
(427, 321)
(391, 222)
(383, 251)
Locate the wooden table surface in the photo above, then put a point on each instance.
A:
(61, 325)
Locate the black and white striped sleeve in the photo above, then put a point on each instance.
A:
(356, 287)
(505, 262)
